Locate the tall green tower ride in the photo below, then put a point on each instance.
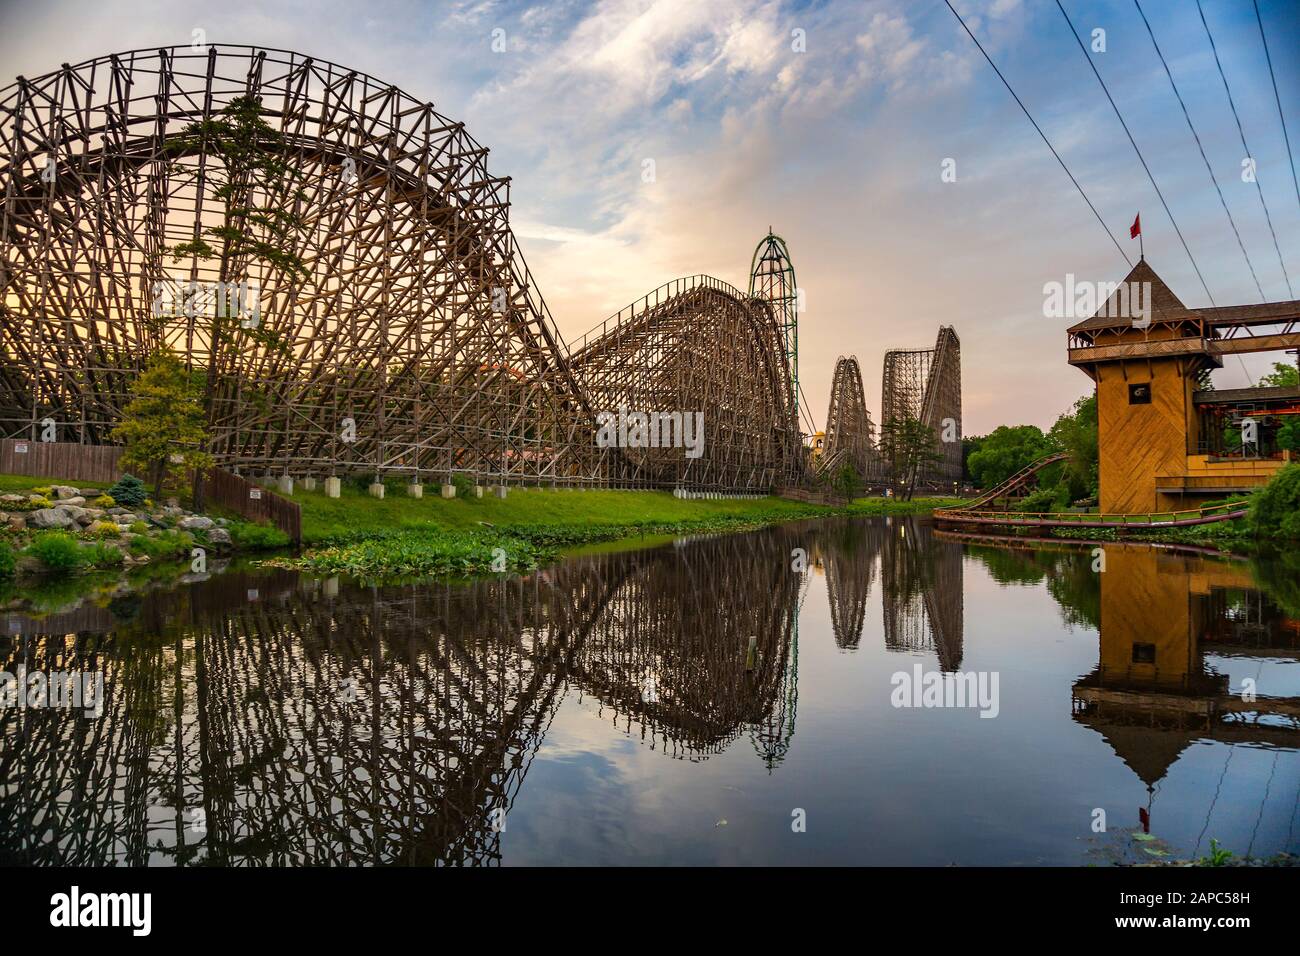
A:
(771, 277)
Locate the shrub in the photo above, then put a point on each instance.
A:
(129, 492)
(44, 491)
(7, 560)
(102, 555)
(464, 485)
(104, 501)
(1275, 508)
(57, 551)
(139, 527)
(248, 536)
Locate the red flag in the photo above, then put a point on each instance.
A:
(1135, 230)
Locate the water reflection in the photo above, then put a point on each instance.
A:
(272, 719)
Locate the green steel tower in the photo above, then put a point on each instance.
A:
(771, 277)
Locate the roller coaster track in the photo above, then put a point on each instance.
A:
(976, 512)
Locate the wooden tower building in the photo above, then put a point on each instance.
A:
(1167, 441)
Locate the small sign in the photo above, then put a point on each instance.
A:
(20, 448)
(252, 594)
(255, 493)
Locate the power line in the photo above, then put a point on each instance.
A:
(1208, 168)
(1291, 156)
(1141, 158)
(1242, 133)
(1031, 119)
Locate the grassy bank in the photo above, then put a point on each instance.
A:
(401, 536)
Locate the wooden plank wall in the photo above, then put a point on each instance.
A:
(66, 461)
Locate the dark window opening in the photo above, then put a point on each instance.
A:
(1144, 653)
(1139, 394)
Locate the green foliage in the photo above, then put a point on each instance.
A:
(253, 166)
(248, 536)
(7, 561)
(140, 527)
(1218, 856)
(57, 551)
(164, 421)
(464, 485)
(908, 445)
(846, 481)
(1281, 376)
(1006, 450)
(105, 501)
(168, 544)
(1275, 508)
(1288, 434)
(1076, 432)
(129, 492)
(101, 555)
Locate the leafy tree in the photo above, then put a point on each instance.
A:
(1288, 434)
(1281, 376)
(163, 425)
(1076, 432)
(259, 192)
(1006, 450)
(1275, 508)
(908, 445)
(846, 481)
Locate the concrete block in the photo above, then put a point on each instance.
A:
(333, 487)
(377, 490)
(415, 490)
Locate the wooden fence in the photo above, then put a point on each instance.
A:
(60, 460)
(101, 464)
(252, 501)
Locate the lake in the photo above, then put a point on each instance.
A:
(843, 691)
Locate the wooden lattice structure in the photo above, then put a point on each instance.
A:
(925, 384)
(696, 346)
(415, 344)
(850, 434)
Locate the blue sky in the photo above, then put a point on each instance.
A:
(839, 148)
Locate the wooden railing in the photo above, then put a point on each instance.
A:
(1157, 519)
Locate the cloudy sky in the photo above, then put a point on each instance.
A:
(830, 122)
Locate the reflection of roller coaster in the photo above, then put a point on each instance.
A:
(343, 726)
(285, 720)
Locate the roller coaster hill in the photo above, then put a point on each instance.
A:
(399, 331)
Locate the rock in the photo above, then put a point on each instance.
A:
(122, 517)
(51, 518)
(77, 500)
(13, 499)
(17, 523)
(223, 522)
(195, 523)
(74, 512)
(65, 491)
(172, 511)
(219, 536)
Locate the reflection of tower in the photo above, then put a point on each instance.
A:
(771, 278)
(922, 584)
(1152, 692)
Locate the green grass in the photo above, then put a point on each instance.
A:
(400, 536)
